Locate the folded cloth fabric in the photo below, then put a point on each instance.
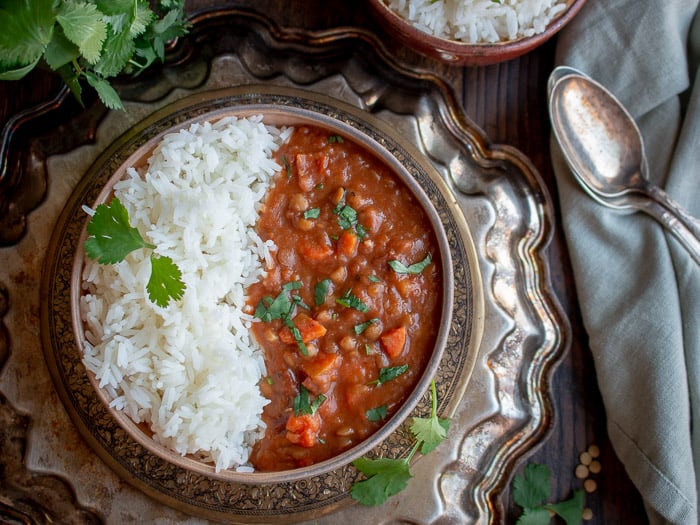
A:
(639, 291)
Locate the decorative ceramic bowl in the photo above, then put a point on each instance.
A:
(461, 53)
(279, 107)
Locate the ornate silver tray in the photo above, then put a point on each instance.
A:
(504, 409)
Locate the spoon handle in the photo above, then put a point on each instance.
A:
(663, 198)
(681, 230)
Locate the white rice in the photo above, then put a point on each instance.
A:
(479, 21)
(189, 370)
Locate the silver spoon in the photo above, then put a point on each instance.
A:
(603, 147)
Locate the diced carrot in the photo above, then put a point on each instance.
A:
(314, 252)
(311, 169)
(303, 430)
(393, 341)
(309, 328)
(323, 363)
(347, 244)
(321, 372)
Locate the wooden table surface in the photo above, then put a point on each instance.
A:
(508, 101)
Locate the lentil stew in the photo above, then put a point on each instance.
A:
(350, 307)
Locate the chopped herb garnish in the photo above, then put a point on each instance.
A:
(312, 213)
(386, 476)
(112, 238)
(287, 167)
(302, 405)
(351, 301)
(374, 279)
(282, 307)
(296, 334)
(360, 328)
(368, 349)
(335, 138)
(321, 291)
(268, 379)
(361, 231)
(389, 373)
(414, 268)
(376, 414)
(347, 217)
(319, 186)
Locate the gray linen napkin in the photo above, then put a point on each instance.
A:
(639, 291)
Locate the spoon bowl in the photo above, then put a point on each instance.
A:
(604, 149)
(602, 141)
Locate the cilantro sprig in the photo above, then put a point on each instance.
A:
(386, 476)
(530, 492)
(111, 238)
(87, 40)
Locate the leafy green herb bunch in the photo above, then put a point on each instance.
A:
(86, 40)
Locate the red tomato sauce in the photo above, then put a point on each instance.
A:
(338, 216)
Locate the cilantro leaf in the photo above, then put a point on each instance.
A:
(282, 307)
(114, 7)
(385, 477)
(536, 516)
(414, 268)
(16, 73)
(531, 489)
(347, 217)
(389, 373)
(26, 30)
(570, 510)
(60, 50)
(312, 213)
(165, 281)
(377, 414)
(349, 300)
(360, 328)
(118, 48)
(142, 18)
(83, 25)
(430, 431)
(107, 94)
(111, 236)
(321, 291)
(302, 404)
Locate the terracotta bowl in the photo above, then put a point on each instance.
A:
(462, 53)
(279, 106)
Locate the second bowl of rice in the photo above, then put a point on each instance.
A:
(474, 32)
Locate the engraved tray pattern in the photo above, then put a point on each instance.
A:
(505, 409)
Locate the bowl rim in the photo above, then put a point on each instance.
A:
(465, 53)
(273, 113)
